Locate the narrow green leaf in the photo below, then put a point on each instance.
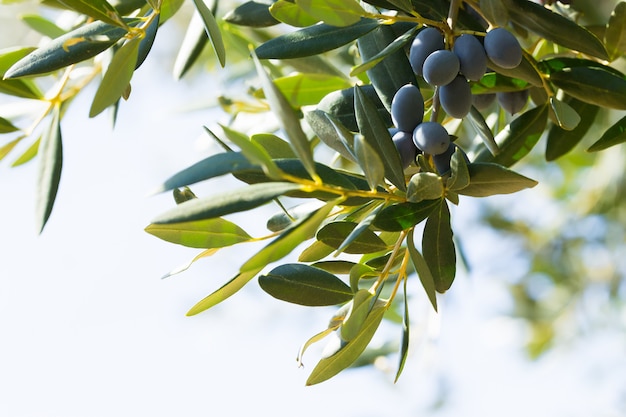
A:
(212, 30)
(479, 124)
(117, 77)
(566, 117)
(314, 252)
(305, 285)
(6, 126)
(194, 41)
(377, 136)
(335, 267)
(438, 247)
(340, 106)
(213, 166)
(98, 9)
(363, 226)
(313, 40)
(558, 64)
(292, 14)
(28, 154)
(205, 234)
(228, 202)
(406, 325)
(614, 135)
(73, 47)
(488, 179)
(369, 161)
(333, 12)
(251, 13)
(402, 216)
(308, 89)
(288, 119)
(423, 272)
(555, 27)
(518, 138)
(348, 353)
(615, 35)
(253, 151)
(275, 147)
(424, 186)
(334, 234)
(593, 85)
(394, 46)
(50, 166)
(182, 268)
(288, 240)
(148, 40)
(362, 304)
(331, 132)
(42, 25)
(8, 147)
(562, 141)
(224, 292)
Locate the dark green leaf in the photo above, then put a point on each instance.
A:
(148, 40)
(394, 46)
(615, 35)
(335, 234)
(494, 82)
(313, 40)
(205, 234)
(479, 124)
(75, 46)
(50, 166)
(554, 27)
(423, 272)
(614, 135)
(555, 65)
(489, 179)
(562, 141)
(98, 9)
(288, 119)
(402, 216)
(335, 267)
(6, 126)
(406, 325)
(518, 138)
(229, 202)
(193, 43)
(212, 30)
(438, 247)
(251, 13)
(117, 77)
(305, 285)
(593, 85)
(331, 132)
(377, 136)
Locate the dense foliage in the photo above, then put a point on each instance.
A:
(402, 92)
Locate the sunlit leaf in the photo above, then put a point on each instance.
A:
(424, 186)
(489, 179)
(305, 285)
(98, 9)
(402, 216)
(333, 12)
(362, 304)
(212, 30)
(362, 226)
(50, 166)
(422, 269)
(253, 151)
(525, 71)
(228, 202)
(276, 147)
(8, 147)
(614, 135)
(615, 35)
(307, 89)
(205, 234)
(28, 154)
(494, 82)
(335, 233)
(292, 14)
(495, 11)
(438, 247)
(117, 77)
(460, 177)
(562, 141)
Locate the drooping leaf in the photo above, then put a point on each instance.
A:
(562, 141)
(377, 136)
(566, 117)
(479, 124)
(555, 27)
(349, 352)
(489, 179)
(438, 247)
(194, 41)
(148, 40)
(394, 46)
(401, 216)
(460, 177)
(50, 166)
(98, 9)
(305, 285)
(334, 234)
(204, 234)
(422, 269)
(117, 77)
(369, 161)
(406, 325)
(333, 12)
(289, 239)
(424, 186)
(292, 14)
(518, 138)
(331, 132)
(228, 202)
(615, 35)
(308, 89)
(614, 135)
(593, 85)
(73, 47)
(212, 30)
(313, 40)
(288, 119)
(251, 13)
(362, 304)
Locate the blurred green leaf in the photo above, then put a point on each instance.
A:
(117, 77)
(495, 11)
(614, 135)
(422, 269)
(50, 166)
(228, 202)
(8, 147)
(333, 12)
(615, 35)
(42, 25)
(334, 234)
(307, 89)
(313, 40)
(593, 85)
(292, 14)
(98, 9)
(212, 30)
(6, 126)
(489, 179)
(401, 216)
(305, 285)
(424, 186)
(205, 234)
(562, 141)
(275, 147)
(194, 41)
(438, 247)
(251, 13)
(28, 154)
